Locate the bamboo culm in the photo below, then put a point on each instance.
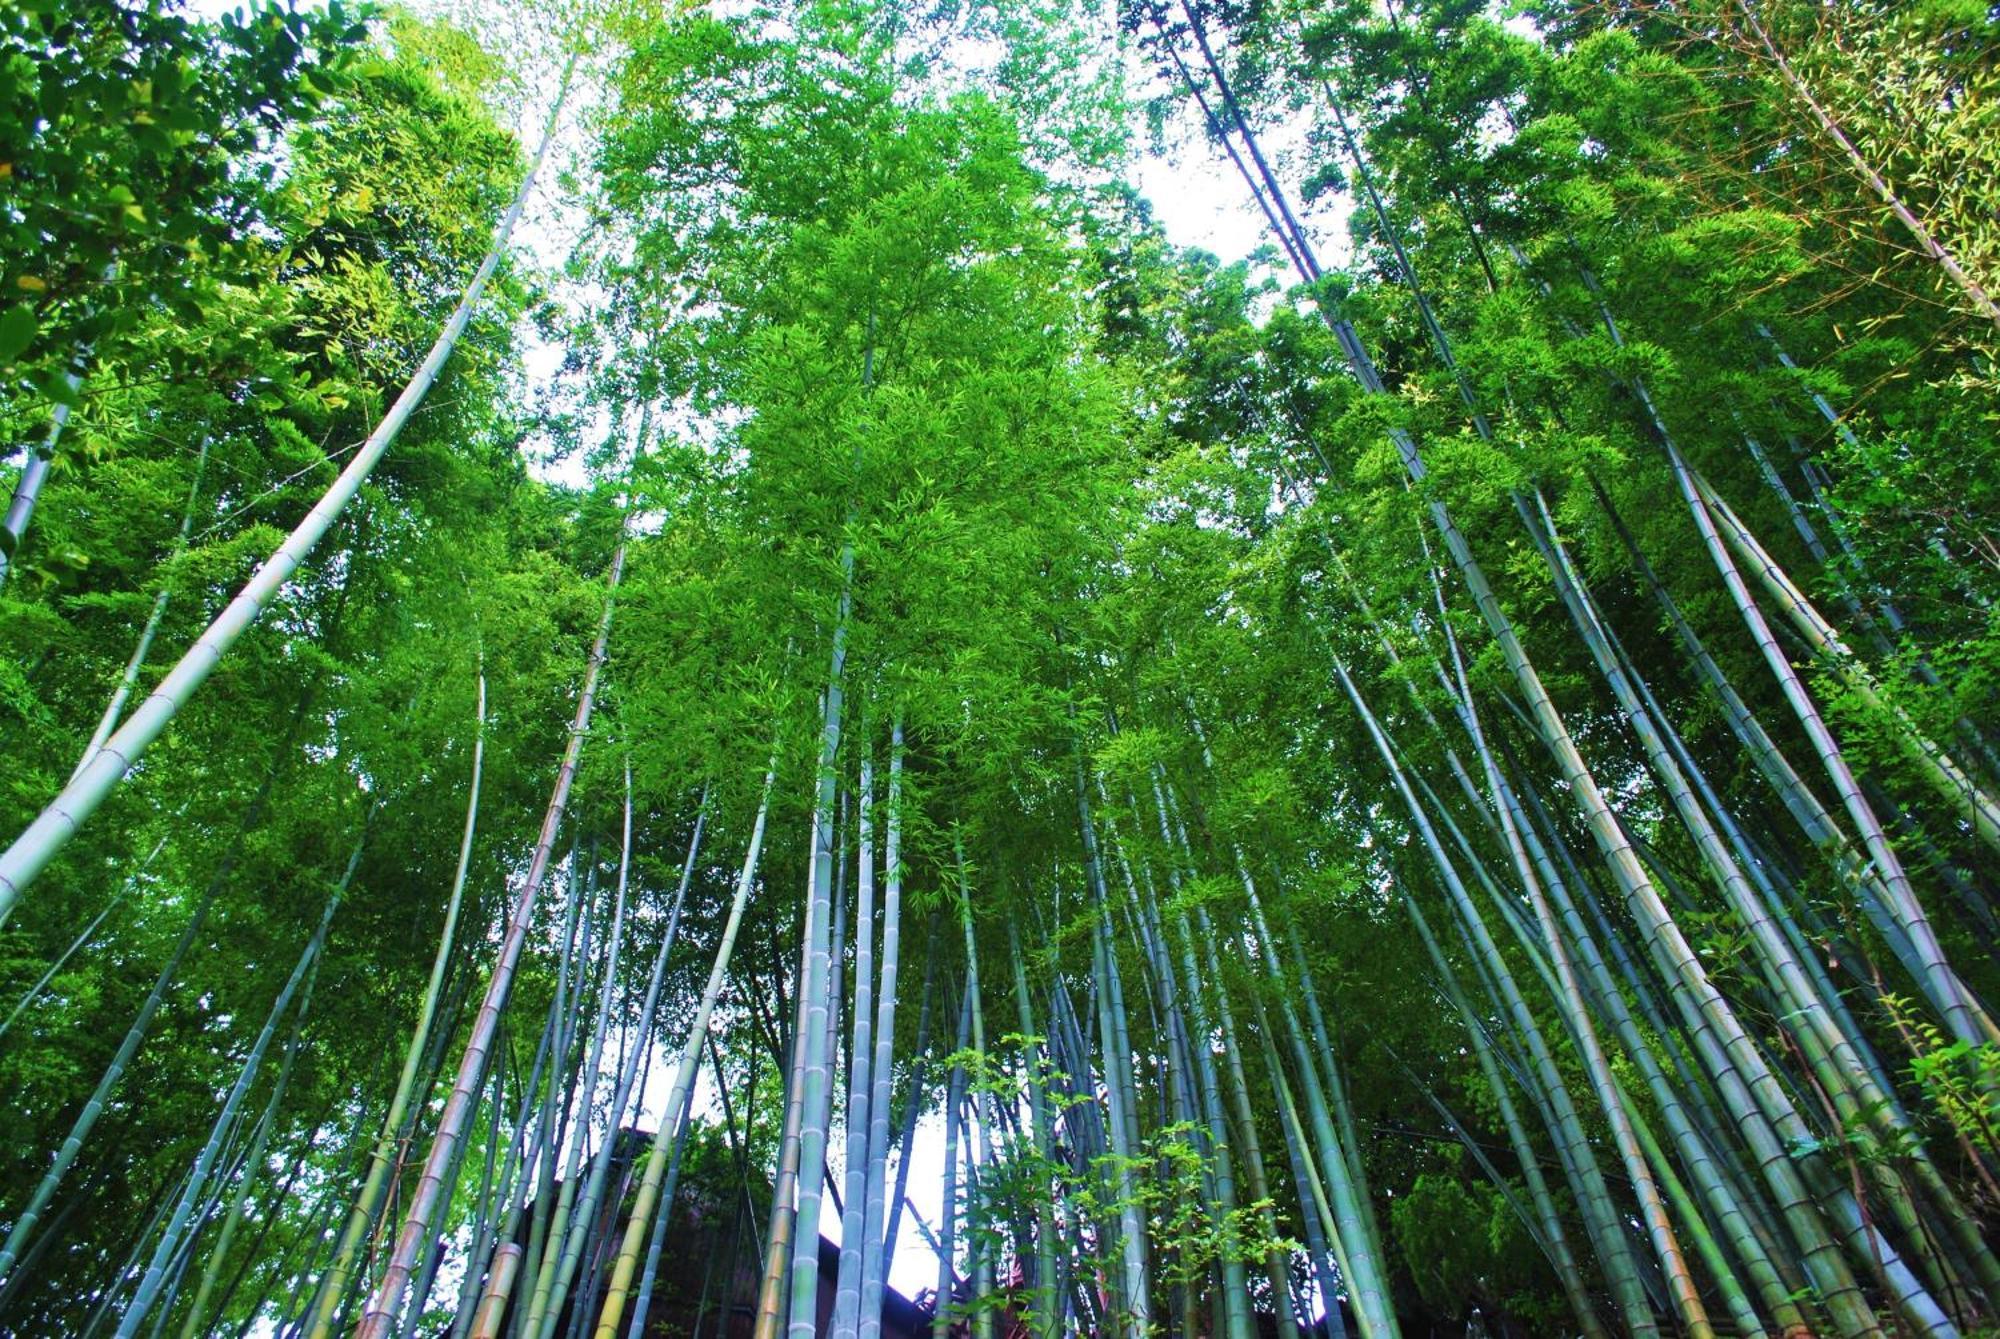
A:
(32, 851)
(382, 1157)
(643, 1207)
(383, 1305)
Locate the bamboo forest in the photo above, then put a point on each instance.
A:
(1000, 669)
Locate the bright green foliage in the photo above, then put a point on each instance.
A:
(1216, 757)
(133, 136)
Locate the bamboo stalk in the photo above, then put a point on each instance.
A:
(382, 1306)
(58, 821)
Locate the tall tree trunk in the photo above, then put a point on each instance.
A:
(643, 1206)
(382, 1158)
(38, 844)
(416, 1231)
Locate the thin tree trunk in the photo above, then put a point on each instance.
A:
(38, 844)
(415, 1234)
(333, 1289)
(683, 1081)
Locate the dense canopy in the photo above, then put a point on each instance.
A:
(668, 669)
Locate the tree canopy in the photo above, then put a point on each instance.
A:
(647, 647)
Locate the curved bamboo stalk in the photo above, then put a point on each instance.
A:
(643, 1206)
(382, 1158)
(58, 821)
(383, 1305)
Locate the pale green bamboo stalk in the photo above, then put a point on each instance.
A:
(772, 1298)
(1235, 1279)
(61, 817)
(523, 1148)
(643, 1206)
(1811, 815)
(622, 1094)
(984, 1115)
(643, 1302)
(1549, 1229)
(28, 488)
(1742, 1316)
(1327, 1075)
(1245, 1135)
(1967, 1021)
(860, 1088)
(1117, 1067)
(1320, 1256)
(948, 1211)
(571, 967)
(496, 1192)
(382, 1158)
(1612, 842)
(170, 1238)
(384, 1303)
(21, 1233)
(1245, 1117)
(816, 986)
(1952, 780)
(1312, 1191)
(1346, 1231)
(559, 1265)
(1847, 1079)
(913, 1102)
(1804, 1012)
(1849, 1308)
(1045, 1297)
(1564, 1121)
(253, 1165)
(1719, 1190)
(875, 1241)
